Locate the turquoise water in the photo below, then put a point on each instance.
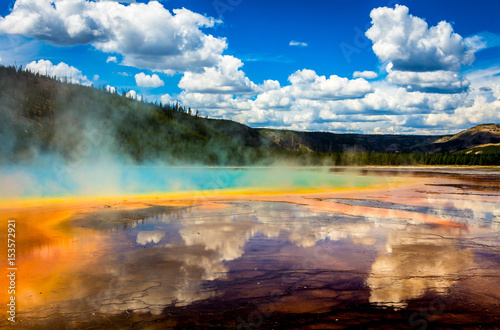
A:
(105, 180)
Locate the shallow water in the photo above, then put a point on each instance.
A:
(115, 179)
(417, 255)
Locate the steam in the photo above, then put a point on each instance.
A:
(60, 139)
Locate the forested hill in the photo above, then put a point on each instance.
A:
(480, 136)
(354, 143)
(44, 117)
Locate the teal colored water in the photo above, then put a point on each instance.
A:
(102, 179)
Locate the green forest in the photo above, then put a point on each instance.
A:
(44, 116)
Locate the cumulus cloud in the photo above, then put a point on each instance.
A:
(61, 71)
(420, 57)
(387, 109)
(217, 105)
(365, 74)
(166, 99)
(479, 112)
(261, 117)
(144, 80)
(133, 95)
(423, 92)
(440, 81)
(111, 89)
(411, 45)
(275, 105)
(225, 78)
(298, 43)
(307, 84)
(147, 35)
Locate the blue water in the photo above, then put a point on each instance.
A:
(101, 180)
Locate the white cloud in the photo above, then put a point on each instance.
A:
(110, 89)
(169, 72)
(111, 59)
(482, 40)
(425, 94)
(298, 43)
(225, 78)
(144, 80)
(307, 84)
(482, 104)
(419, 58)
(411, 45)
(166, 99)
(275, 105)
(479, 112)
(261, 117)
(476, 43)
(133, 95)
(274, 98)
(148, 36)
(218, 105)
(432, 81)
(483, 80)
(145, 237)
(388, 108)
(61, 71)
(96, 77)
(365, 74)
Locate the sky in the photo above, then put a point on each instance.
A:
(383, 67)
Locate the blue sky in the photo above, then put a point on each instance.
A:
(426, 67)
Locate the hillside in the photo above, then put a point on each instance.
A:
(485, 149)
(476, 136)
(330, 142)
(45, 119)
(42, 116)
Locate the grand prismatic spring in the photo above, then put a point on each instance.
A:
(261, 248)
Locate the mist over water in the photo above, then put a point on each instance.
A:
(88, 142)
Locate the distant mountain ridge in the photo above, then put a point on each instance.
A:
(334, 142)
(382, 143)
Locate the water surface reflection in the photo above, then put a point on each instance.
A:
(217, 262)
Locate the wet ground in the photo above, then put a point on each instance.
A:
(422, 251)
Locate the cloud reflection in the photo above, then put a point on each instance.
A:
(417, 260)
(145, 237)
(177, 258)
